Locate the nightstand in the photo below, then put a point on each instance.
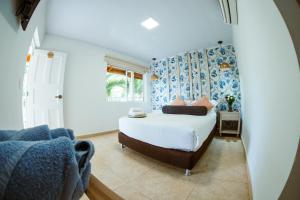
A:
(230, 116)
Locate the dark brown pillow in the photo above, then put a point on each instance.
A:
(185, 110)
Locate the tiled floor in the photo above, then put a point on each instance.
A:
(219, 174)
(84, 197)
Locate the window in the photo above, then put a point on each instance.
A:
(124, 85)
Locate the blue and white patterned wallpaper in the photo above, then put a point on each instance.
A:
(195, 74)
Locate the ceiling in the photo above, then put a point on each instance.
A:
(116, 24)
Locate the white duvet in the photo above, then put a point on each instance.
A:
(182, 132)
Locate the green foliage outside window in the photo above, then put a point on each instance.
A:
(118, 88)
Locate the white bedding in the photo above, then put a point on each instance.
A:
(182, 132)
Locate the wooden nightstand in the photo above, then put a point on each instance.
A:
(229, 116)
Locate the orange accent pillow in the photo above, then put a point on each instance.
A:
(204, 101)
(178, 102)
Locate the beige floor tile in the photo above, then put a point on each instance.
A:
(107, 176)
(160, 183)
(219, 174)
(84, 197)
(130, 193)
(214, 189)
(114, 165)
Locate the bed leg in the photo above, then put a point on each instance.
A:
(123, 146)
(187, 172)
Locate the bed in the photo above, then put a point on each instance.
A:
(179, 140)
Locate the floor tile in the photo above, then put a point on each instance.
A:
(214, 189)
(219, 174)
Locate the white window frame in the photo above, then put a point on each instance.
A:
(130, 92)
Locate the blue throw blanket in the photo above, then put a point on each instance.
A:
(36, 134)
(39, 163)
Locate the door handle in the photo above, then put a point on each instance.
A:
(59, 96)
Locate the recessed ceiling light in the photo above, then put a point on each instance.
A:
(150, 23)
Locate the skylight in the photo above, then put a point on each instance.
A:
(150, 23)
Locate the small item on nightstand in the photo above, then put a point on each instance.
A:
(230, 99)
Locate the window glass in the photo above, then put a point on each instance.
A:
(116, 85)
(123, 85)
(138, 87)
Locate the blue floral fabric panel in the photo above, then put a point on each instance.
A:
(204, 74)
(195, 75)
(160, 87)
(198, 75)
(216, 84)
(184, 76)
(164, 86)
(224, 82)
(155, 97)
(173, 78)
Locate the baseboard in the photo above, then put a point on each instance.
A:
(85, 136)
(248, 172)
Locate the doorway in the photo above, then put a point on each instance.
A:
(42, 100)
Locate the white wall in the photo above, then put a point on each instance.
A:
(86, 110)
(270, 80)
(14, 44)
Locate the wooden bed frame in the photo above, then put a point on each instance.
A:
(181, 159)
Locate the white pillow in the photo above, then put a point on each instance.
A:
(188, 102)
(214, 102)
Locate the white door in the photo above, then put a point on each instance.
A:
(45, 89)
